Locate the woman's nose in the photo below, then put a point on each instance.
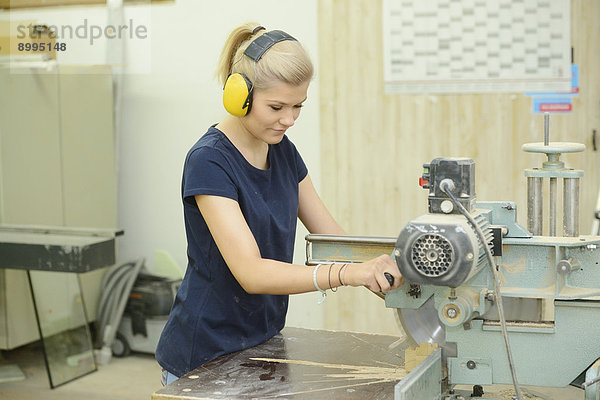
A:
(288, 118)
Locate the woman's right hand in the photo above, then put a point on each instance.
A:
(372, 274)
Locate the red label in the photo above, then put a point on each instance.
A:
(555, 107)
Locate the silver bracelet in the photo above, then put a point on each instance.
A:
(317, 285)
(343, 275)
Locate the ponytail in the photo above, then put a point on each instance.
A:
(286, 61)
(238, 36)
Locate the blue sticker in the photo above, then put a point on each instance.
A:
(556, 102)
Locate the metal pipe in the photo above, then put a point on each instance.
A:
(346, 249)
(571, 207)
(552, 208)
(596, 223)
(374, 240)
(546, 129)
(590, 382)
(534, 205)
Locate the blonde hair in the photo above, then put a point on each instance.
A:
(285, 61)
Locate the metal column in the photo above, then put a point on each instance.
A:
(535, 202)
(571, 207)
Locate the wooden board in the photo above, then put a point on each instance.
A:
(299, 364)
(373, 144)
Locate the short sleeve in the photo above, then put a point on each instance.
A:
(301, 169)
(207, 171)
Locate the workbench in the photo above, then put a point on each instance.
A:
(55, 251)
(299, 364)
(42, 250)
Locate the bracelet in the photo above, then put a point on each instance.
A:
(329, 279)
(340, 274)
(317, 285)
(344, 274)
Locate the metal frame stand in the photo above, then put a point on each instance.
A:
(54, 374)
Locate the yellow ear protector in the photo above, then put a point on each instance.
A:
(237, 93)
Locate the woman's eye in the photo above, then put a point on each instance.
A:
(276, 108)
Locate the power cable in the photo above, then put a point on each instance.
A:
(447, 186)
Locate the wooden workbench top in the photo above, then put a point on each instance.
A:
(299, 364)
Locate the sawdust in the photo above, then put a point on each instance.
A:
(509, 395)
(415, 355)
(353, 373)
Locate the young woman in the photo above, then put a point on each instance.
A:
(244, 187)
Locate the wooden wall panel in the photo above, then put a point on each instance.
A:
(374, 144)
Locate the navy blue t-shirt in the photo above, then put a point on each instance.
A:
(212, 315)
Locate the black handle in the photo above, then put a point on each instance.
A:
(389, 278)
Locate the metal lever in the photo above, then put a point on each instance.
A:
(591, 382)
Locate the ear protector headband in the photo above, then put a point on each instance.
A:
(237, 93)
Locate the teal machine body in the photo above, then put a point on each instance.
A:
(549, 284)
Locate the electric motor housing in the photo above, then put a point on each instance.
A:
(439, 249)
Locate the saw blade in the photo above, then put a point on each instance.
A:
(422, 325)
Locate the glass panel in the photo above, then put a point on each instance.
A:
(66, 339)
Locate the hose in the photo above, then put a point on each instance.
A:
(116, 286)
(447, 186)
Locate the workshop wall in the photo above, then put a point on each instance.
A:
(167, 98)
(364, 148)
(166, 111)
(373, 144)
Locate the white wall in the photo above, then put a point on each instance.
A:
(170, 97)
(166, 111)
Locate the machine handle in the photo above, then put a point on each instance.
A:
(389, 278)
